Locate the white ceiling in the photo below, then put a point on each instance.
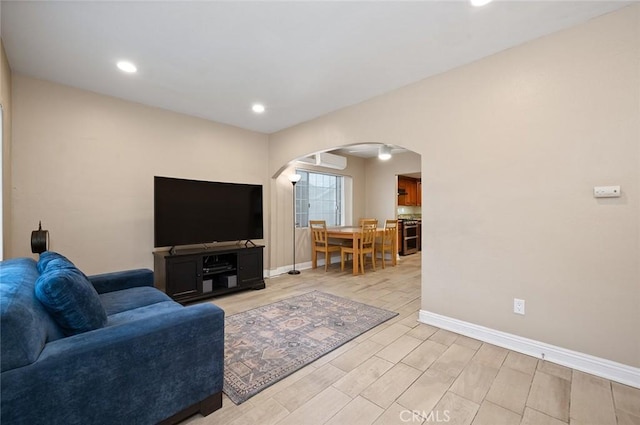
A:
(302, 59)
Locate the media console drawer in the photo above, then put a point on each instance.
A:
(189, 275)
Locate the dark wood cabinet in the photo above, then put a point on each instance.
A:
(250, 266)
(194, 274)
(409, 191)
(185, 276)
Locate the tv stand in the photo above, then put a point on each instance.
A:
(195, 274)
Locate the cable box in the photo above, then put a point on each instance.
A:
(217, 268)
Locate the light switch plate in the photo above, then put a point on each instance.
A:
(606, 192)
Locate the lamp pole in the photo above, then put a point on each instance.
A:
(294, 178)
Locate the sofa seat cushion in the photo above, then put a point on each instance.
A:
(131, 298)
(70, 299)
(147, 312)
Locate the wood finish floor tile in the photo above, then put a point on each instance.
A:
(533, 417)
(510, 389)
(554, 369)
(354, 357)
(362, 376)
(389, 386)
(227, 413)
(490, 355)
(422, 331)
(319, 409)
(411, 320)
(521, 362)
(626, 398)
(268, 413)
(390, 334)
(454, 359)
(625, 418)
(426, 391)
(334, 354)
(269, 392)
(474, 381)
(424, 355)
(591, 400)
(444, 337)
(550, 395)
(359, 411)
(492, 414)
(306, 388)
(465, 341)
(399, 349)
(454, 410)
(397, 414)
(445, 370)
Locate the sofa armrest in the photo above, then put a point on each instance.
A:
(139, 372)
(117, 281)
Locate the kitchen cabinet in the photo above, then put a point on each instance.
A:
(409, 191)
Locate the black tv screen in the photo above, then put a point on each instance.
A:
(192, 212)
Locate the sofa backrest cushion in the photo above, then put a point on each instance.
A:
(25, 326)
(57, 260)
(71, 299)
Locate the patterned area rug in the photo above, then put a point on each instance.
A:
(268, 343)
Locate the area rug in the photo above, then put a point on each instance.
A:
(268, 343)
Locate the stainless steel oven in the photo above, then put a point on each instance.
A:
(410, 237)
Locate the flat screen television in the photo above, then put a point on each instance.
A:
(193, 212)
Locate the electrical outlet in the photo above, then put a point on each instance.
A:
(518, 306)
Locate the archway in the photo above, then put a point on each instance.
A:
(372, 193)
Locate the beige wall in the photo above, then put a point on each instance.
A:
(84, 163)
(5, 102)
(511, 148)
(382, 183)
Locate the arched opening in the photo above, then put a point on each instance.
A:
(369, 189)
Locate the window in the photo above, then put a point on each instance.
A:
(319, 197)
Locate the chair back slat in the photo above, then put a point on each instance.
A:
(369, 229)
(390, 229)
(319, 232)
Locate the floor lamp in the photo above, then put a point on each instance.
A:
(294, 178)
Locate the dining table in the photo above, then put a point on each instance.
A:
(354, 233)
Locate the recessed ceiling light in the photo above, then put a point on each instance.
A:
(257, 108)
(127, 67)
(478, 3)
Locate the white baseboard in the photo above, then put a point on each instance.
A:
(604, 368)
(299, 266)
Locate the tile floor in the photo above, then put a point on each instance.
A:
(404, 372)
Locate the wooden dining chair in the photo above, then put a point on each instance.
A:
(388, 240)
(367, 220)
(366, 245)
(320, 243)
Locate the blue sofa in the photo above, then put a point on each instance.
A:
(105, 349)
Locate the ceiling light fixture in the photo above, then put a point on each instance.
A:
(257, 108)
(384, 152)
(127, 67)
(479, 3)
